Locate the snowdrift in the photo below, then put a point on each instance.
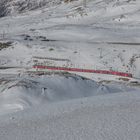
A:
(19, 93)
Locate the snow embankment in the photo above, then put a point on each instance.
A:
(21, 92)
(113, 116)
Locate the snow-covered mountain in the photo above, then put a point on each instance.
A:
(107, 32)
(86, 34)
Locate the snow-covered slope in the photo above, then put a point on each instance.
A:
(100, 35)
(114, 116)
(19, 93)
(90, 34)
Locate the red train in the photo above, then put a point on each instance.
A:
(83, 70)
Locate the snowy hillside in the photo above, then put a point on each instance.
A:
(85, 34)
(19, 93)
(100, 35)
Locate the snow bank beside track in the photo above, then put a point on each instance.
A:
(18, 93)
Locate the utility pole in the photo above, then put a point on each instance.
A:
(101, 52)
(3, 35)
(85, 3)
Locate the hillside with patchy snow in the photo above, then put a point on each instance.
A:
(99, 35)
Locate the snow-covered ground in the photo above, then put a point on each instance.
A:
(103, 117)
(97, 34)
(25, 91)
(105, 36)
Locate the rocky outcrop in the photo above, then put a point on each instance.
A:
(9, 7)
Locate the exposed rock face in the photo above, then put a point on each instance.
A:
(3, 8)
(8, 7)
